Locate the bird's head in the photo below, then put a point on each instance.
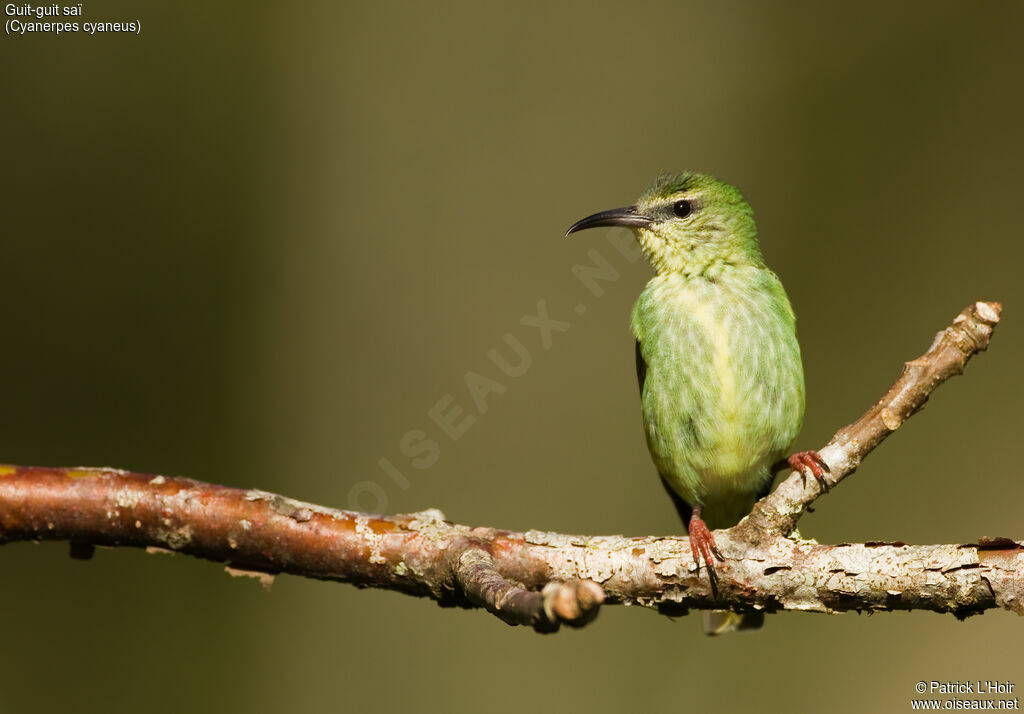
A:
(687, 223)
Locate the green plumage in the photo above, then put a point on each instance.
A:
(723, 392)
(721, 382)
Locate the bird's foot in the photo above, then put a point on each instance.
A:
(702, 543)
(811, 462)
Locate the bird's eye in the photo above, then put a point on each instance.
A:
(682, 208)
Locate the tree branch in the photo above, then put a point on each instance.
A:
(547, 579)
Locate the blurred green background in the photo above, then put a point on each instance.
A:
(257, 243)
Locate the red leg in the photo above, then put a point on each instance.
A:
(811, 461)
(703, 545)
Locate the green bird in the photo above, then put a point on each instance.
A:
(717, 358)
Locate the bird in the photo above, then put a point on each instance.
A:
(717, 359)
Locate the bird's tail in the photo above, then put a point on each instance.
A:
(718, 622)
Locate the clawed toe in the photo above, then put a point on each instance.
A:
(811, 461)
(702, 543)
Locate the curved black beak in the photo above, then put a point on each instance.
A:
(627, 216)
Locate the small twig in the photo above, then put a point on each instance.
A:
(950, 351)
(575, 603)
(546, 579)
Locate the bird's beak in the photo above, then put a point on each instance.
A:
(627, 216)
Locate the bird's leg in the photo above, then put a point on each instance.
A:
(702, 543)
(810, 461)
